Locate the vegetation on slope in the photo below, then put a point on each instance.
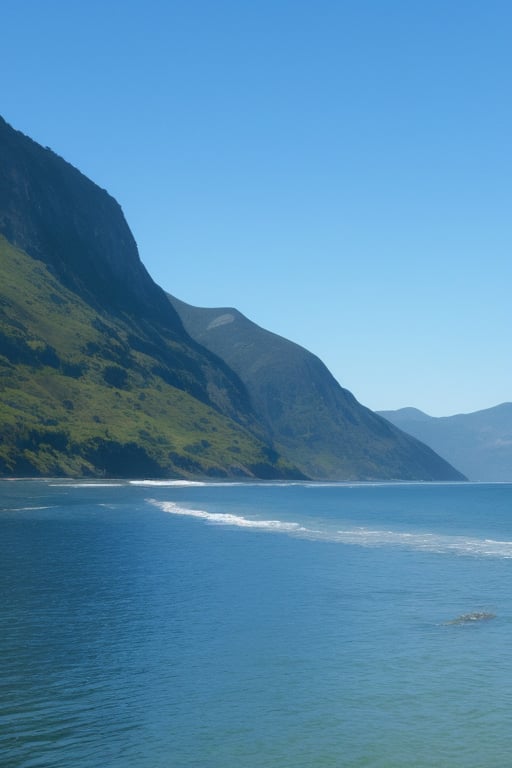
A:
(84, 392)
(98, 375)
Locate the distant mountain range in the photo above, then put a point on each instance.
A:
(479, 444)
(101, 375)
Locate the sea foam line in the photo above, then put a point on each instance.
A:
(168, 483)
(360, 536)
(427, 542)
(213, 483)
(31, 509)
(227, 519)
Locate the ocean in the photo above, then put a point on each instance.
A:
(255, 625)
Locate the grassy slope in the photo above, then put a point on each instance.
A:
(84, 394)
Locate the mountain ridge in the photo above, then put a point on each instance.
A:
(54, 213)
(67, 245)
(479, 444)
(99, 376)
(319, 424)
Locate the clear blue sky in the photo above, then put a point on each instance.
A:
(341, 172)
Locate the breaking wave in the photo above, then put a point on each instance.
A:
(358, 536)
(167, 483)
(214, 483)
(228, 519)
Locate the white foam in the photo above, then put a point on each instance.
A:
(212, 483)
(359, 536)
(428, 542)
(226, 518)
(167, 483)
(85, 485)
(31, 509)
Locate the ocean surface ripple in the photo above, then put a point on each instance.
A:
(263, 624)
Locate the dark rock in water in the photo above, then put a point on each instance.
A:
(469, 618)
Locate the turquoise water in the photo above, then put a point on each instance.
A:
(146, 625)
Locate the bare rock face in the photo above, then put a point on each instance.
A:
(55, 214)
(273, 409)
(174, 408)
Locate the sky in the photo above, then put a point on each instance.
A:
(339, 171)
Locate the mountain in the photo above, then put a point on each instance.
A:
(97, 374)
(310, 418)
(479, 444)
(101, 376)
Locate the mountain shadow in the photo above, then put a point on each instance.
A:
(311, 419)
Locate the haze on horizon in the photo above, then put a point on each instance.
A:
(339, 172)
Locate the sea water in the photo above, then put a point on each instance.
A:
(156, 625)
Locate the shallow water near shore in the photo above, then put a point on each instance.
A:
(147, 625)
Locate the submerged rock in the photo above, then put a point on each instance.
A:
(468, 618)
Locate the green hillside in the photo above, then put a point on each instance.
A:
(100, 375)
(90, 393)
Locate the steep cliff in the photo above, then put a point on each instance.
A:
(316, 423)
(101, 374)
(97, 373)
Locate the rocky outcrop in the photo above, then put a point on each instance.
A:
(55, 214)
